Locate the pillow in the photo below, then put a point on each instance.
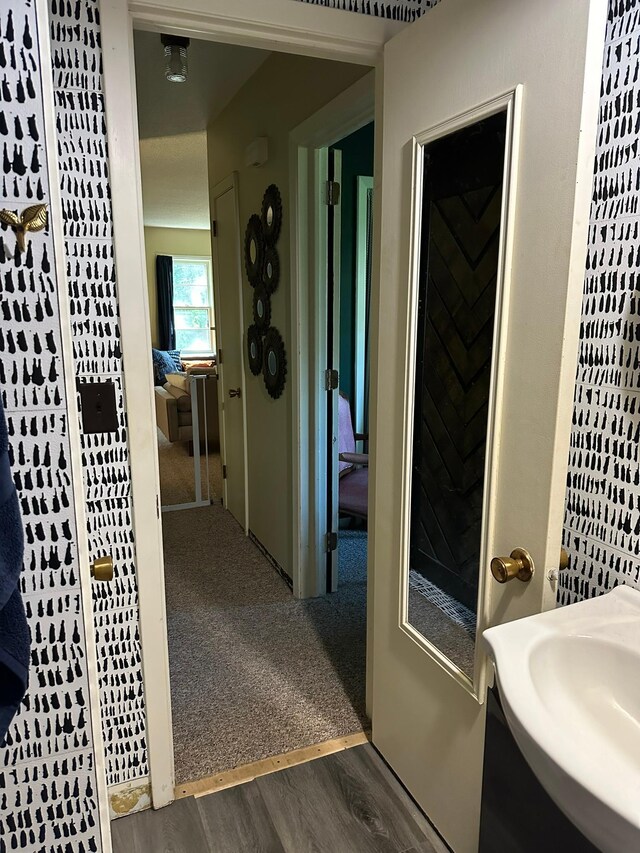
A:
(165, 361)
(189, 365)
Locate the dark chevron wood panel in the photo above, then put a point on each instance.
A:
(453, 379)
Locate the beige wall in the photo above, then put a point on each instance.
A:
(170, 241)
(283, 93)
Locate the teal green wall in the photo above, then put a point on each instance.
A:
(357, 159)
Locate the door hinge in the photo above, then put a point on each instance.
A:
(333, 193)
(224, 472)
(158, 506)
(219, 356)
(214, 227)
(331, 379)
(331, 541)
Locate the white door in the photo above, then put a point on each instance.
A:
(489, 120)
(230, 334)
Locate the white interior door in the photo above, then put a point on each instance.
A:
(466, 84)
(230, 335)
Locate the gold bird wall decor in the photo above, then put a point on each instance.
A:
(32, 218)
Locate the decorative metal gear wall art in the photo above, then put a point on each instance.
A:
(271, 214)
(254, 349)
(265, 348)
(271, 272)
(261, 308)
(254, 247)
(274, 363)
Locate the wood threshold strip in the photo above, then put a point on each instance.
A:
(249, 772)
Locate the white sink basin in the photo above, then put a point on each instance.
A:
(570, 688)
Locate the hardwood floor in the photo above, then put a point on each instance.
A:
(349, 802)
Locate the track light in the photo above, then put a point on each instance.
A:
(175, 58)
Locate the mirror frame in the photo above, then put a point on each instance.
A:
(271, 282)
(260, 295)
(511, 101)
(273, 343)
(271, 200)
(254, 337)
(254, 233)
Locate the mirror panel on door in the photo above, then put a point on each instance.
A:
(461, 210)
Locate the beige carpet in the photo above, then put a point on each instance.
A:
(176, 473)
(254, 672)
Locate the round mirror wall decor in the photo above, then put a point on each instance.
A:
(254, 349)
(271, 214)
(261, 308)
(265, 347)
(271, 272)
(254, 250)
(274, 366)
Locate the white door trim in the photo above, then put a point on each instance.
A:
(222, 187)
(511, 104)
(73, 422)
(364, 184)
(308, 144)
(126, 202)
(280, 24)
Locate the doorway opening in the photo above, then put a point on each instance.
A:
(254, 671)
(349, 260)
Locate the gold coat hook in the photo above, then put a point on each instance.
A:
(32, 218)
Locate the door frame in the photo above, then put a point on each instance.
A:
(289, 27)
(308, 170)
(230, 183)
(364, 184)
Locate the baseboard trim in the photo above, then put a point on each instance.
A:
(276, 565)
(249, 772)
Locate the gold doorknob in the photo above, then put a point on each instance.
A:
(518, 565)
(564, 560)
(102, 569)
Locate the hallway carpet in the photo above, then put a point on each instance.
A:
(255, 673)
(176, 473)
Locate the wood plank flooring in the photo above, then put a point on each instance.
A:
(348, 802)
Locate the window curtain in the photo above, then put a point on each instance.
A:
(164, 285)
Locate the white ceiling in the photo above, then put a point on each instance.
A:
(172, 119)
(174, 181)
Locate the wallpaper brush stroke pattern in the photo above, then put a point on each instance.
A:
(84, 174)
(47, 776)
(396, 10)
(602, 519)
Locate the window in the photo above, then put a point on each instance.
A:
(193, 305)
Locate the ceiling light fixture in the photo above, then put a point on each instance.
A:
(175, 58)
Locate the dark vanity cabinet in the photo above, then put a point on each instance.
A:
(518, 816)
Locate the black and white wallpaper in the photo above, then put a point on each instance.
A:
(602, 519)
(47, 776)
(83, 166)
(396, 10)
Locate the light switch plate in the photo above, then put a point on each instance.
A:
(98, 406)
